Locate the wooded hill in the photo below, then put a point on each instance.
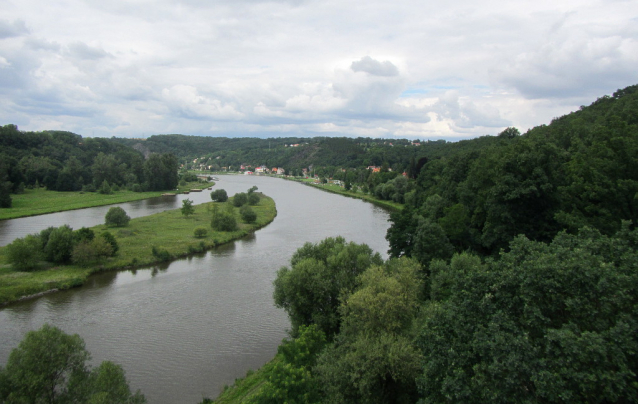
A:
(513, 278)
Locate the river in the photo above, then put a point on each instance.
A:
(184, 330)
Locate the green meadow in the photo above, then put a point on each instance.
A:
(170, 233)
(40, 201)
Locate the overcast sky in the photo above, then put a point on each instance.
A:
(375, 68)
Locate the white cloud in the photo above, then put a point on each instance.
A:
(263, 67)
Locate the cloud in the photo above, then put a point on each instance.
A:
(14, 29)
(187, 102)
(83, 51)
(374, 67)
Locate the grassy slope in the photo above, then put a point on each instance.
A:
(40, 201)
(336, 189)
(168, 230)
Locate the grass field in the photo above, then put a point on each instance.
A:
(170, 231)
(336, 189)
(40, 201)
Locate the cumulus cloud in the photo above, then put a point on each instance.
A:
(186, 101)
(270, 67)
(374, 67)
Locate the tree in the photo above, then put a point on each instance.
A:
(111, 240)
(187, 207)
(240, 199)
(320, 274)
(116, 217)
(247, 214)
(45, 365)
(200, 232)
(59, 247)
(223, 221)
(219, 195)
(25, 253)
(88, 252)
(374, 358)
(49, 366)
(253, 198)
(544, 323)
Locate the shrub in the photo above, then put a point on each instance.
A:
(25, 253)
(88, 252)
(105, 188)
(247, 214)
(219, 195)
(223, 221)
(253, 199)
(200, 232)
(161, 254)
(117, 217)
(84, 234)
(240, 199)
(59, 247)
(109, 238)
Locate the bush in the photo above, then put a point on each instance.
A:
(105, 188)
(25, 253)
(161, 254)
(253, 199)
(111, 240)
(223, 221)
(59, 247)
(240, 199)
(89, 252)
(117, 217)
(200, 232)
(219, 195)
(84, 234)
(247, 214)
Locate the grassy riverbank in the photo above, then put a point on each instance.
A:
(166, 231)
(336, 189)
(40, 201)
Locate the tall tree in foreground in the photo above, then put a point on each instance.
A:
(49, 366)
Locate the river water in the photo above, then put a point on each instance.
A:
(184, 330)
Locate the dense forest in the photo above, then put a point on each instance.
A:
(512, 277)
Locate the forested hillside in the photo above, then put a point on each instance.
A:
(64, 161)
(513, 277)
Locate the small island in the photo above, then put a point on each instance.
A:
(142, 242)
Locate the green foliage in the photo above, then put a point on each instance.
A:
(187, 207)
(59, 246)
(161, 254)
(116, 217)
(253, 198)
(556, 322)
(106, 235)
(105, 188)
(83, 234)
(200, 232)
(291, 380)
(49, 366)
(247, 214)
(219, 195)
(320, 274)
(24, 254)
(90, 252)
(223, 220)
(160, 171)
(374, 358)
(240, 199)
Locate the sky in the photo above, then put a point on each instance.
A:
(415, 69)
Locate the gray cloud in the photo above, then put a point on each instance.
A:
(83, 51)
(374, 67)
(14, 29)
